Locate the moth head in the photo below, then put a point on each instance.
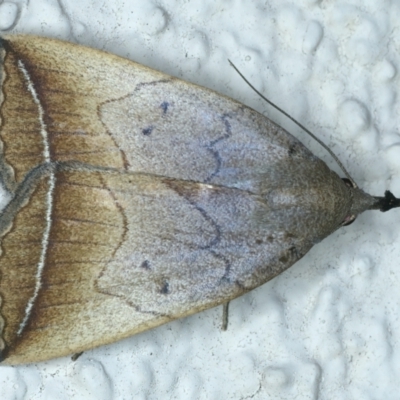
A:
(363, 201)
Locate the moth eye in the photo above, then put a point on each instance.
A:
(348, 220)
(348, 182)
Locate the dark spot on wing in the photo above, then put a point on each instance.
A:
(165, 287)
(283, 259)
(293, 148)
(147, 131)
(145, 264)
(289, 255)
(164, 105)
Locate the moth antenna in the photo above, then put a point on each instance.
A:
(298, 124)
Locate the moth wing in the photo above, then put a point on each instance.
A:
(112, 112)
(128, 252)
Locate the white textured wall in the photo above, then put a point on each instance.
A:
(329, 327)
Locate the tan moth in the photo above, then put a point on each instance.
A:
(137, 198)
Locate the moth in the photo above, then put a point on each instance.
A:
(137, 198)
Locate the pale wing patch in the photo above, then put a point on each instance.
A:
(160, 136)
(166, 251)
(188, 246)
(173, 129)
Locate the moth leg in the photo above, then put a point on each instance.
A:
(75, 356)
(225, 316)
